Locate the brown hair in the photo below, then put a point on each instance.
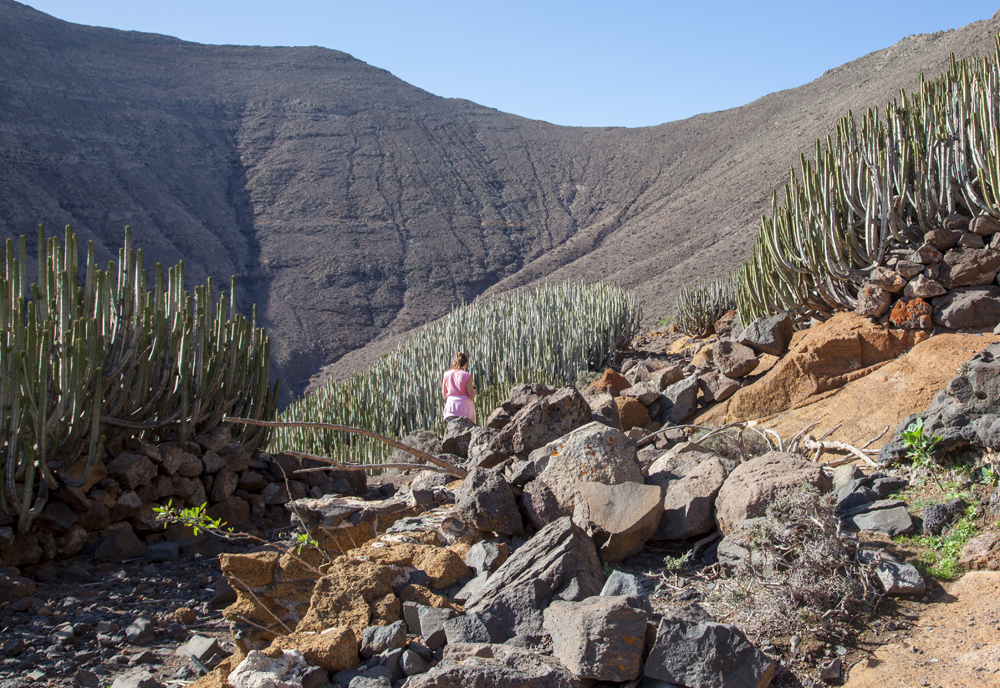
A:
(460, 361)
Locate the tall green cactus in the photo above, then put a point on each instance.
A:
(700, 304)
(550, 334)
(85, 365)
(931, 153)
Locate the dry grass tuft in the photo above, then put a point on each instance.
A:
(803, 578)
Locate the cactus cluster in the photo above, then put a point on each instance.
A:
(700, 304)
(87, 363)
(548, 334)
(931, 153)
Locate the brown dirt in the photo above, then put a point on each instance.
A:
(954, 643)
(864, 407)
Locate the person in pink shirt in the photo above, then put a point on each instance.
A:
(457, 389)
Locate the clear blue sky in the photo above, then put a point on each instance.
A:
(575, 63)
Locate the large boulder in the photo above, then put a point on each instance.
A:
(333, 650)
(525, 393)
(667, 376)
(689, 499)
(620, 518)
(486, 502)
(559, 562)
(457, 435)
(694, 650)
(599, 638)
(594, 453)
(913, 379)
(132, 470)
(734, 359)
(610, 382)
(873, 300)
(645, 392)
(755, 484)
(424, 440)
(480, 451)
(539, 505)
(542, 420)
(604, 410)
(822, 358)
(968, 267)
(480, 665)
(968, 307)
(889, 279)
(631, 412)
(119, 544)
(768, 335)
(715, 386)
(679, 400)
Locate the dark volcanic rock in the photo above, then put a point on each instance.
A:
(559, 562)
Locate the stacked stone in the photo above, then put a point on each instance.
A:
(948, 279)
(112, 514)
(654, 393)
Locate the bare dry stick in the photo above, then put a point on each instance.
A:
(829, 432)
(810, 443)
(447, 467)
(371, 467)
(874, 439)
(793, 444)
(314, 457)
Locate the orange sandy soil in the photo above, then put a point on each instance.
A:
(955, 642)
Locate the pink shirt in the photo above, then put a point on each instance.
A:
(456, 383)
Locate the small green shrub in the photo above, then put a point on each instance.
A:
(665, 322)
(939, 556)
(990, 474)
(919, 447)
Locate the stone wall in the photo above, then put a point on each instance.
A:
(111, 516)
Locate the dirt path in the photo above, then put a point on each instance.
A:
(954, 644)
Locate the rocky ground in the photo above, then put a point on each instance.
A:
(595, 499)
(86, 622)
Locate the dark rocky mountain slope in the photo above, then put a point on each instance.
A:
(353, 206)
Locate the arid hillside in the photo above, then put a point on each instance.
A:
(352, 206)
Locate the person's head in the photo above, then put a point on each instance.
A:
(460, 361)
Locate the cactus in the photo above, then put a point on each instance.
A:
(929, 154)
(87, 365)
(701, 304)
(549, 334)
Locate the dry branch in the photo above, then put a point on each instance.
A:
(424, 456)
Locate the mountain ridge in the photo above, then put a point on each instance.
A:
(353, 207)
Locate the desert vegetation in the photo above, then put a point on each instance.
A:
(90, 360)
(550, 334)
(929, 154)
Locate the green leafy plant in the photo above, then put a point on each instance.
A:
(193, 517)
(990, 475)
(199, 521)
(665, 322)
(674, 563)
(920, 448)
(940, 553)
